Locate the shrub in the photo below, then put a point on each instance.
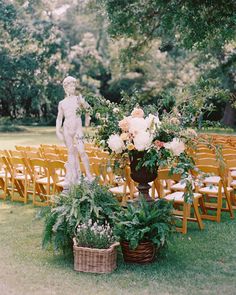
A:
(83, 202)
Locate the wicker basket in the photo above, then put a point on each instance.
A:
(144, 253)
(95, 260)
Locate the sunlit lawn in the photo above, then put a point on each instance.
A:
(198, 263)
(34, 136)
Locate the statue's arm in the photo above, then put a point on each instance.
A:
(60, 116)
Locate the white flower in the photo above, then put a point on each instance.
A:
(142, 140)
(115, 143)
(137, 125)
(116, 110)
(153, 122)
(176, 146)
(191, 132)
(98, 116)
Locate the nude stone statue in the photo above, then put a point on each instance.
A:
(71, 132)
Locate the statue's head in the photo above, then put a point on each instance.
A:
(69, 85)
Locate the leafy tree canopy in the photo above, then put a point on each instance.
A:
(198, 23)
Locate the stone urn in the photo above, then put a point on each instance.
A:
(141, 175)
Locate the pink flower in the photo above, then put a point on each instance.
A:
(124, 124)
(124, 136)
(159, 144)
(137, 113)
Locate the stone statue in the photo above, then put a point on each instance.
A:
(71, 132)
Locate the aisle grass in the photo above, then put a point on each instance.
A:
(198, 263)
(34, 137)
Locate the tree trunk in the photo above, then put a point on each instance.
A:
(229, 117)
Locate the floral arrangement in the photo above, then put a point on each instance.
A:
(93, 235)
(164, 142)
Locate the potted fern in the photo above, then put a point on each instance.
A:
(84, 201)
(143, 228)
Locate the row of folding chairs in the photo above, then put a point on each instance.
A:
(22, 177)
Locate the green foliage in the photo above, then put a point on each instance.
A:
(199, 99)
(83, 202)
(144, 221)
(7, 125)
(32, 54)
(124, 85)
(190, 23)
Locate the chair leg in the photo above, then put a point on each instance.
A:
(197, 214)
(219, 207)
(202, 205)
(228, 200)
(186, 213)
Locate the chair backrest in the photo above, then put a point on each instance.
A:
(56, 169)
(33, 148)
(164, 176)
(32, 155)
(15, 153)
(228, 151)
(231, 164)
(98, 169)
(49, 156)
(22, 148)
(18, 166)
(39, 167)
(205, 150)
(229, 157)
(207, 161)
(204, 155)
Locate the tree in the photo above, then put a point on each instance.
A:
(203, 25)
(32, 56)
(199, 23)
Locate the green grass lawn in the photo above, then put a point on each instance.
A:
(34, 136)
(197, 263)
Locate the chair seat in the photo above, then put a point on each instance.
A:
(233, 183)
(61, 183)
(118, 189)
(43, 180)
(233, 174)
(213, 190)
(22, 177)
(180, 186)
(212, 180)
(3, 174)
(179, 196)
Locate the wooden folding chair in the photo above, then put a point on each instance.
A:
(57, 173)
(4, 176)
(177, 198)
(19, 181)
(41, 182)
(126, 189)
(214, 190)
(231, 166)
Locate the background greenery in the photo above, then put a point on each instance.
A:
(173, 53)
